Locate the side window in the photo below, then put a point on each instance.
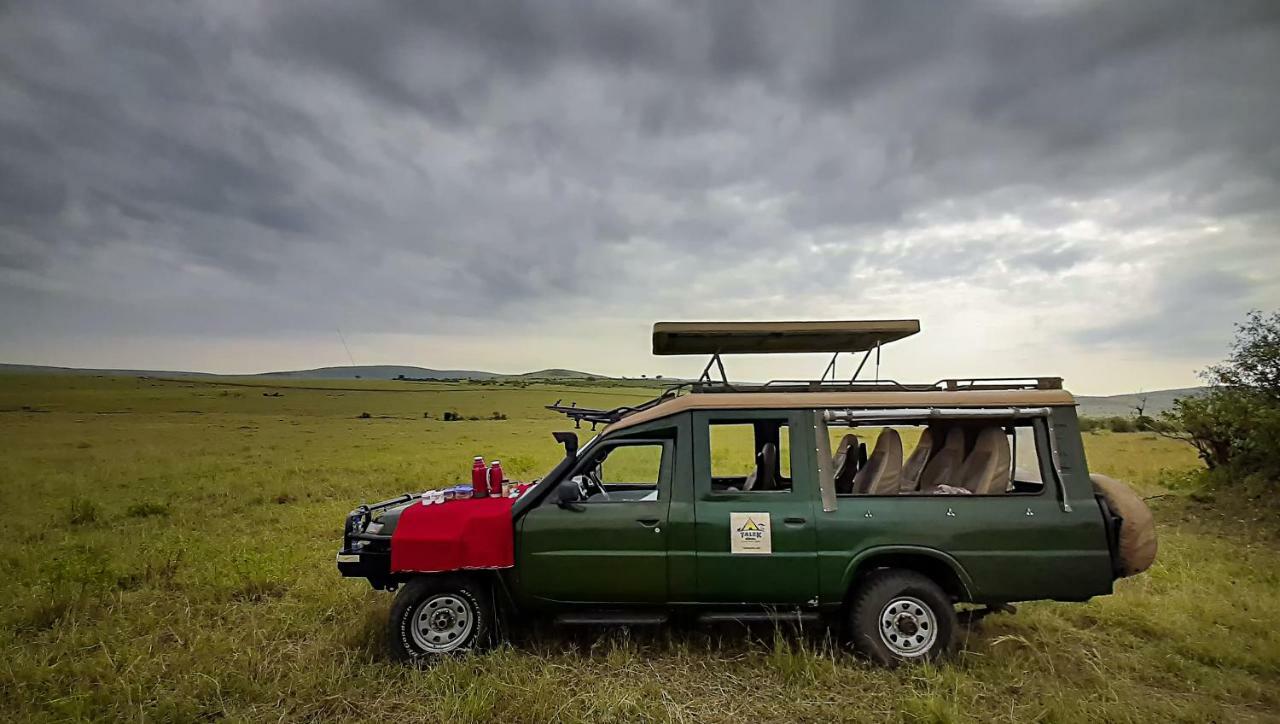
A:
(750, 456)
(1027, 475)
(635, 465)
(941, 457)
(624, 473)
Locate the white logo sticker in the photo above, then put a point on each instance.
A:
(750, 534)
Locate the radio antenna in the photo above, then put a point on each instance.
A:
(344, 345)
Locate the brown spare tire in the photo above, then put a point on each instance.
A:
(1137, 546)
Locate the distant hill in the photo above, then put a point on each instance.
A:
(9, 369)
(1157, 401)
(367, 372)
(381, 372)
(557, 373)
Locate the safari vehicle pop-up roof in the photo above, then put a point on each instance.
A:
(837, 337)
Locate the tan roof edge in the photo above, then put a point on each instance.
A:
(814, 400)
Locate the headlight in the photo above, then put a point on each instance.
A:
(374, 528)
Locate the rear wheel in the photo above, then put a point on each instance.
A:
(899, 616)
(438, 616)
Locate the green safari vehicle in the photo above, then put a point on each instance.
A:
(873, 505)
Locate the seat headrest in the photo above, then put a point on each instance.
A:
(883, 472)
(846, 442)
(845, 463)
(943, 464)
(766, 476)
(986, 468)
(914, 467)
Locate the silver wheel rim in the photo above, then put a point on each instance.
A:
(908, 627)
(442, 623)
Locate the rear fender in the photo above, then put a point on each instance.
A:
(929, 561)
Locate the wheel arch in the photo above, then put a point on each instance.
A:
(938, 566)
(496, 584)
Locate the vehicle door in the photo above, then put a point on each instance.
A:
(609, 546)
(755, 543)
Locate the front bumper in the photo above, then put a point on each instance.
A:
(374, 565)
(368, 555)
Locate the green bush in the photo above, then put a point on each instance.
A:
(1235, 424)
(1116, 423)
(1122, 424)
(147, 509)
(82, 511)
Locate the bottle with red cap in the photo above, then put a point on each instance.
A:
(479, 482)
(495, 478)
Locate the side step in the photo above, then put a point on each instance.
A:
(611, 618)
(652, 618)
(757, 616)
(976, 615)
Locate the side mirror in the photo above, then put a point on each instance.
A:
(569, 440)
(567, 496)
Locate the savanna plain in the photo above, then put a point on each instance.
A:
(169, 547)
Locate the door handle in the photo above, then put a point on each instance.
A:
(794, 520)
(648, 522)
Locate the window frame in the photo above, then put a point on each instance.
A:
(606, 447)
(785, 419)
(1043, 448)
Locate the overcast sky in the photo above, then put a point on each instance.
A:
(1088, 189)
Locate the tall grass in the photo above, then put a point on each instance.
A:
(195, 593)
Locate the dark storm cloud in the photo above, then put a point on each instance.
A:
(263, 168)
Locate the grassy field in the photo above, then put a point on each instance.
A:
(169, 556)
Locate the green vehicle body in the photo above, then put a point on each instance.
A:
(674, 552)
(878, 543)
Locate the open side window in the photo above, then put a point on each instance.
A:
(929, 452)
(623, 471)
(750, 456)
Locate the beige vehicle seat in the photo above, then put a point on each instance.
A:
(882, 475)
(945, 463)
(917, 461)
(986, 468)
(845, 463)
(764, 477)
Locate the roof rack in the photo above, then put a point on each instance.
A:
(837, 337)
(597, 416)
(1003, 383)
(831, 385)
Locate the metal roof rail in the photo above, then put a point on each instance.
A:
(1001, 383)
(834, 385)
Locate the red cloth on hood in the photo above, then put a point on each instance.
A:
(455, 535)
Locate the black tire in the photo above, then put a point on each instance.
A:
(892, 614)
(435, 616)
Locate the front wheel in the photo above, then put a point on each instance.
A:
(900, 616)
(438, 615)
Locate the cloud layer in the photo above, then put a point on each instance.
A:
(1075, 187)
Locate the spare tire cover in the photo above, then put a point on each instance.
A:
(1138, 530)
